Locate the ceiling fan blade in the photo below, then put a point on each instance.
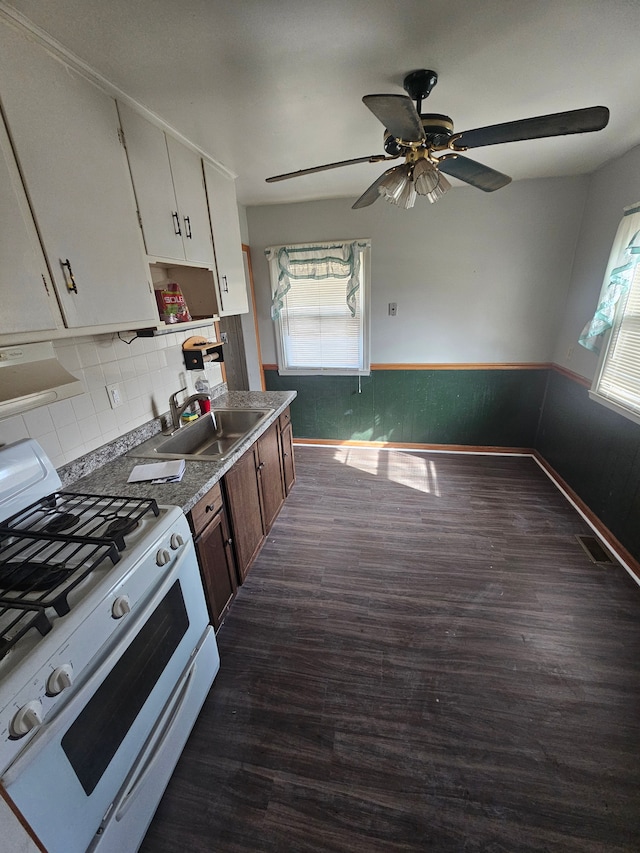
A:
(374, 158)
(398, 114)
(557, 124)
(471, 172)
(371, 194)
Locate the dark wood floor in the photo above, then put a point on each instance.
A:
(422, 658)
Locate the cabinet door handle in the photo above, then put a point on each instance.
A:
(229, 541)
(260, 466)
(285, 455)
(226, 284)
(176, 223)
(187, 227)
(71, 282)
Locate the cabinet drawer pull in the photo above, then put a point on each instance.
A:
(176, 223)
(210, 508)
(71, 282)
(187, 227)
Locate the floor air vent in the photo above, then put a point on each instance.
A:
(595, 551)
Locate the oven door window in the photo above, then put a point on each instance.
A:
(94, 738)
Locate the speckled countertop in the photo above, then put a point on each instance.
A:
(106, 470)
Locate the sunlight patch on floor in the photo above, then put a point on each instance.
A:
(404, 468)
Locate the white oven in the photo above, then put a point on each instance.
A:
(96, 706)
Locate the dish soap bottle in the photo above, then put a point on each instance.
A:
(202, 387)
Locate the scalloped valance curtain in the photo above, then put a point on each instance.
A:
(308, 262)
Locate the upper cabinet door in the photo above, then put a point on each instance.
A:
(151, 174)
(28, 300)
(186, 168)
(167, 177)
(65, 134)
(225, 224)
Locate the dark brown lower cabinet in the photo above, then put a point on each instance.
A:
(254, 496)
(288, 464)
(254, 492)
(215, 554)
(270, 480)
(244, 506)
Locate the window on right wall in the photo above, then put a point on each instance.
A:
(614, 331)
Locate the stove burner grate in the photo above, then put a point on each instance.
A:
(31, 576)
(102, 518)
(59, 522)
(16, 618)
(120, 527)
(50, 546)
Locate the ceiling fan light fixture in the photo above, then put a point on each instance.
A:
(439, 190)
(394, 183)
(407, 197)
(425, 176)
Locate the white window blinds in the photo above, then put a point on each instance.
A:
(617, 323)
(320, 307)
(620, 375)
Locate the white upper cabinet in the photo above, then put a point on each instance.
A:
(225, 224)
(186, 168)
(169, 188)
(65, 136)
(28, 299)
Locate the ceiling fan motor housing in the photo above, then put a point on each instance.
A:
(418, 84)
(438, 130)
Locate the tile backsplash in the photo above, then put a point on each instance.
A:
(147, 371)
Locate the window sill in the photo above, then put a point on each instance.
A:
(630, 414)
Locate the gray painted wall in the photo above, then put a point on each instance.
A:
(477, 277)
(611, 188)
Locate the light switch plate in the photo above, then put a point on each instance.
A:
(393, 309)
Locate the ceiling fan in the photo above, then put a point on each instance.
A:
(432, 150)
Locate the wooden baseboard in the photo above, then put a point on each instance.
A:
(626, 559)
(575, 377)
(406, 445)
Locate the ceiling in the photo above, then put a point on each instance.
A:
(271, 86)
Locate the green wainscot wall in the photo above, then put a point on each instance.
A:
(483, 407)
(597, 452)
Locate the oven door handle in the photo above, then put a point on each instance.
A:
(152, 752)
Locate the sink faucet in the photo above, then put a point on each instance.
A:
(177, 409)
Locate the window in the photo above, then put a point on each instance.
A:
(617, 324)
(321, 307)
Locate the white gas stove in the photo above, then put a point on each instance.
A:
(100, 603)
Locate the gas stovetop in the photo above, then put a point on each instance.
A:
(50, 546)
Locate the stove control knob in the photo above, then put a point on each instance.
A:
(120, 607)
(26, 719)
(176, 541)
(163, 557)
(59, 679)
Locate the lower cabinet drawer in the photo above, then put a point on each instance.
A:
(206, 508)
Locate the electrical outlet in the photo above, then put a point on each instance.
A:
(115, 395)
(393, 309)
(224, 337)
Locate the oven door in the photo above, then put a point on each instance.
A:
(68, 777)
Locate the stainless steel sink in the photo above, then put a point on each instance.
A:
(206, 438)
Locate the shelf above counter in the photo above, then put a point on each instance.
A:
(170, 328)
